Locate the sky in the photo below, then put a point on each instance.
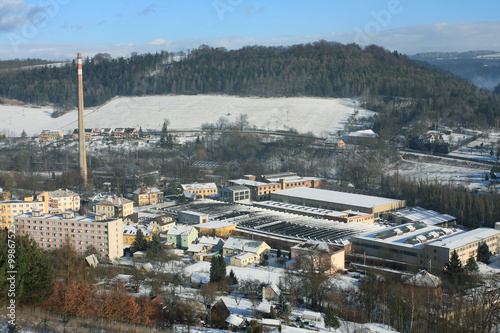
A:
(58, 29)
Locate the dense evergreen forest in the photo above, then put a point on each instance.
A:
(402, 90)
(22, 63)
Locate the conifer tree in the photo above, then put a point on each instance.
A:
(33, 277)
(155, 247)
(483, 253)
(331, 320)
(140, 242)
(453, 270)
(217, 268)
(471, 265)
(283, 306)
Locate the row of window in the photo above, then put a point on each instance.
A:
(39, 233)
(67, 224)
(66, 230)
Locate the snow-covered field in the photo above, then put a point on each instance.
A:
(318, 115)
(443, 170)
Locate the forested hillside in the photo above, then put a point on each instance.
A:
(403, 91)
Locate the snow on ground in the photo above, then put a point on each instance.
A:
(473, 150)
(200, 272)
(492, 268)
(444, 170)
(318, 115)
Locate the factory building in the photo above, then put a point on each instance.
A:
(339, 201)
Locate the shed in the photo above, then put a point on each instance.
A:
(311, 316)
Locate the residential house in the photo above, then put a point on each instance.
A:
(271, 292)
(205, 248)
(147, 196)
(125, 133)
(235, 246)
(61, 200)
(163, 222)
(182, 236)
(325, 257)
(221, 317)
(4, 195)
(424, 279)
(130, 232)
(335, 142)
(244, 259)
(114, 206)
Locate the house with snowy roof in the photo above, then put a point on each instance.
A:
(327, 257)
(206, 245)
(147, 196)
(271, 292)
(130, 232)
(235, 246)
(221, 317)
(182, 236)
(424, 279)
(114, 206)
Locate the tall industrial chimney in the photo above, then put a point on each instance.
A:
(81, 126)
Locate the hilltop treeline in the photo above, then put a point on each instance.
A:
(471, 210)
(104, 78)
(401, 89)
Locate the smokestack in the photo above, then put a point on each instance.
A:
(81, 126)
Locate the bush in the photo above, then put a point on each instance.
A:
(264, 263)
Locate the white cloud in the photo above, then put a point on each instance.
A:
(14, 14)
(157, 41)
(409, 40)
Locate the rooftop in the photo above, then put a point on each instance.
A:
(245, 182)
(214, 225)
(59, 217)
(182, 230)
(351, 199)
(234, 188)
(62, 193)
(413, 234)
(198, 186)
(307, 210)
(189, 212)
(465, 238)
(243, 244)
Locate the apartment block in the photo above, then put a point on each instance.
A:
(11, 208)
(53, 231)
(61, 200)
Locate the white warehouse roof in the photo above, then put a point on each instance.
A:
(345, 198)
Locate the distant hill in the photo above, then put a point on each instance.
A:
(23, 63)
(400, 89)
(482, 68)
